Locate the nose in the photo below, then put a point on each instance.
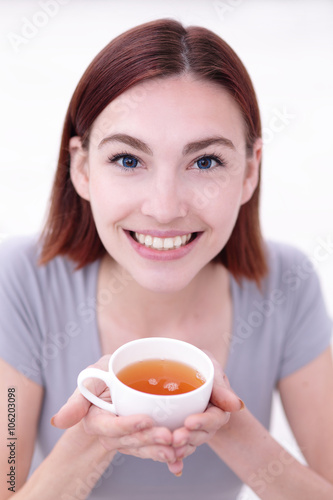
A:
(165, 200)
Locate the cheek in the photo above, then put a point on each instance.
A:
(220, 200)
(223, 222)
(221, 212)
(109, 202)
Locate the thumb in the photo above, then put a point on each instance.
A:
(71, 412)
(77, 406)
(222, 395)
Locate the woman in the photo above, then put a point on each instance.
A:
(153, 230)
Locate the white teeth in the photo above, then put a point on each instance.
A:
(168, 243)
(158, 243)
(141, 238)
(148, 241)
(177, 241)
(162, 243)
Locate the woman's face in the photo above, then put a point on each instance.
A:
(166, 172)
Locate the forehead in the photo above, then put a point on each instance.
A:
(175, 108)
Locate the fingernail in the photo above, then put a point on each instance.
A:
(178, 474)
(52, 421)
(242, 404)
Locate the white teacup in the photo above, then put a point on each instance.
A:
(166, 410)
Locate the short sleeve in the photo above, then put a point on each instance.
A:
(20, 332)
(309, 327)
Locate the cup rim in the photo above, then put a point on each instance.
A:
(203, 387)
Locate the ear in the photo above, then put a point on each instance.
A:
(251, 177)
(79, 170)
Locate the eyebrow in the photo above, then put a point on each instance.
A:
(127, 139)
(195, 146)
(190, 148)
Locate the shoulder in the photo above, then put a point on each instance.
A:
(18, 249)
(44, 308)
(290, 291)
(282, 257)
(293, 276)
(288, 312)
(305, 319)
(19, 259)
(290, 269)
(20, 270)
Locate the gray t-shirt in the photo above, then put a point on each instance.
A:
(48, 331)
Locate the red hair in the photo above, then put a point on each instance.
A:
(156, 49)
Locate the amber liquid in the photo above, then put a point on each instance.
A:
(161, 376)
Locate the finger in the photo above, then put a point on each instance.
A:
(222, 395)
(185, 437)
(143, 439)
(184, 451)
(181, 437)
(225, 399)
(164, 454)
(77, 405)
(154, 443)
(72, 411)
(153, 436)
(209, 421)
(176, 467)
(106, 424)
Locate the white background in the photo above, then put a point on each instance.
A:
(287, 47)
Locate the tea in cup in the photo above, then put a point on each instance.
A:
(164, 378)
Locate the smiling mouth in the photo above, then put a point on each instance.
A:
(163, 244)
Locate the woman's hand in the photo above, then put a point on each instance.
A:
(137, 435)
(134, 435)
(200, 428)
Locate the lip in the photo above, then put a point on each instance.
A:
(154, 254)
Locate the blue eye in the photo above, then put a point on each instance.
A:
(204, 163)
(209, 162)
(124, 161)
(129, 161)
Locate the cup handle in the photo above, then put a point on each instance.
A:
(102, 375)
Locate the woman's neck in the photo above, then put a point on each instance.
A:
(147, 312)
